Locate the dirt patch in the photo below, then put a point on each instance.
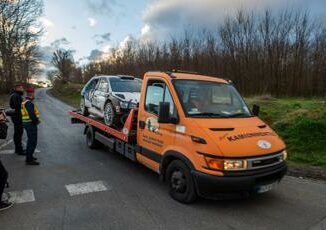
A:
(312, 172)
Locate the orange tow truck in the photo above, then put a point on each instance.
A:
(198, 134)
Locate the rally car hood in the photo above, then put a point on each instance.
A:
(128, 96)
(241, 137)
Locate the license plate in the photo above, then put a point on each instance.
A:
(266, 188)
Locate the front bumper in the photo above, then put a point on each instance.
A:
(235, 183)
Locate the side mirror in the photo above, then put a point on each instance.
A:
(255, 110)
(164, 112)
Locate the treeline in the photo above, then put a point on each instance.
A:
(19, 34)
(280, 54)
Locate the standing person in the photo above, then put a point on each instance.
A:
(30, 117)
(3, 175)
(16, 99)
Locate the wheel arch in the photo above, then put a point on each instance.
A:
(170, 156)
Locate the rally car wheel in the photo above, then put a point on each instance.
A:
(109, 114)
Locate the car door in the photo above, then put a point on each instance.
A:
(89, 90)
(102, 93)
(95, 93)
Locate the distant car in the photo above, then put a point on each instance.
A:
(110, 97)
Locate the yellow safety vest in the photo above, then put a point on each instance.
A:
(25, 115)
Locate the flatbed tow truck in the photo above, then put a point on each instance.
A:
(198, 134)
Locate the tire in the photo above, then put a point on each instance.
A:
(83, 108)
(109, 114)
(91, 142)
(180, 182)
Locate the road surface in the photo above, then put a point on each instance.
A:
(79, 188)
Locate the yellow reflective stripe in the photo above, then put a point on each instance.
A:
(25, 116)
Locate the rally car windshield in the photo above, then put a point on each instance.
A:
(121, 85)
(210, 99)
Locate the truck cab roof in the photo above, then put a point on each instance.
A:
(188, 76)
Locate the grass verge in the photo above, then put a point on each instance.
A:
(69, 93)
(302, 125)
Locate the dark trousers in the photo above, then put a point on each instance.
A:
(18, 134)
(31, 131)
(3, 179)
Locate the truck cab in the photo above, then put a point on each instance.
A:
(198, 133)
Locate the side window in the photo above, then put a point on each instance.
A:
(103, 86)
(91, 85)
(157, 91)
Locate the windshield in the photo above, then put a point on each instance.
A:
(122, 85)
(210, 99)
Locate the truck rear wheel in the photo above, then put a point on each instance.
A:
(181, 183)
(91, 142)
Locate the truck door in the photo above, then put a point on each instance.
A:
(155, 138)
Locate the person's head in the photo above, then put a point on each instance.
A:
(19, 87)
(30, 93)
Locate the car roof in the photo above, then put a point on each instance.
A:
(115, 76)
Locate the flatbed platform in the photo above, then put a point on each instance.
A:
(123, 134)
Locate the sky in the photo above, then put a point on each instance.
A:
(90, 27)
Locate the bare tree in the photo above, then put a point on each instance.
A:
(63, 61)
(282, 54)
(19, 34)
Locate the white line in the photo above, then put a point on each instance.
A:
(84, 188)
(20, 197)
(5, 152)
(6, 143)
(12, 151)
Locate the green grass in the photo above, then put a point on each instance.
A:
(69, 93)
(302, 125)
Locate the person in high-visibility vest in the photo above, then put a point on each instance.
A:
(31, 118)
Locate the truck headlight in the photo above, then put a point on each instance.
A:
(227, 165)
(235, 165)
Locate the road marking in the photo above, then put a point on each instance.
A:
(84, 188)
(12, 151)
(9, 151)
(5, 144)
(20, 197)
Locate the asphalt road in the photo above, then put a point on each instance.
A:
(130, 196)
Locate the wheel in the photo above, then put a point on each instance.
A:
(109, 114)
(91, 142)
(181, 183)
(83, 108)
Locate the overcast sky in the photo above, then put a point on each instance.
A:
(92, 26)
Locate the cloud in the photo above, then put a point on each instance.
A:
(166, 18)
(95, 55)
(102, 38)
(92, 22)
(103, 7)
(47, 23)
(59, 43)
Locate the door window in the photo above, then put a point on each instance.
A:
(103, 86)
(157, 91)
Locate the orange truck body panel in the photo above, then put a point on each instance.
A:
(235, 137)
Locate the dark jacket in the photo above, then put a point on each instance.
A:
(30, 109)
(15, 103)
